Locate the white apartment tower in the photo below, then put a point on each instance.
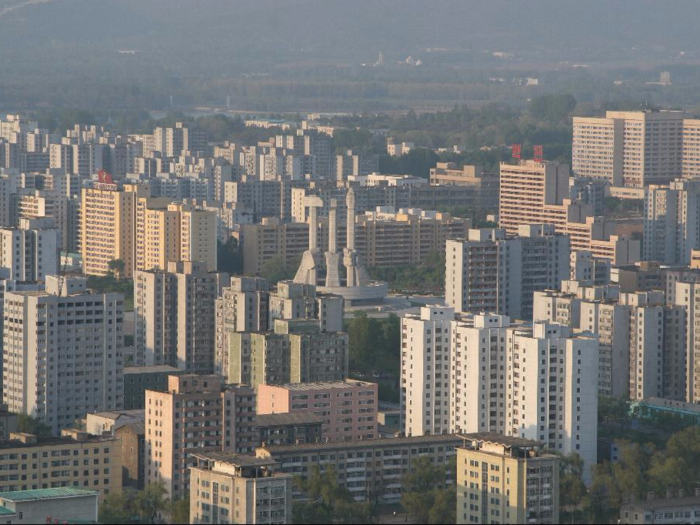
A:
(478, 394)
(63, 352)
(552, 389)
(536, 381)
(425, 371)
(31, 251)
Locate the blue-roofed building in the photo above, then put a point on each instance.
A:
(58, 505)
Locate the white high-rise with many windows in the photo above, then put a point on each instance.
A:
(425, 371)
(63, 352)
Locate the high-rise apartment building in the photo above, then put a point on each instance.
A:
(672, 222)
(425, 371)
(197, 414)
(489, 273)
(480, 374)
(31, 251)
(301, 301)
(296, 352)
(61, 209)
(630, 148)
(108, 227)
(63, 352)
(172, 232)
(347, 408)
(175, 316)
(542, 193)
(481, 378)
(506, 480)
(243, 306)
(232, 488)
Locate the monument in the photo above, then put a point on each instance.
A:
(346, 277)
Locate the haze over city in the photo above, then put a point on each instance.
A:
(325, 261)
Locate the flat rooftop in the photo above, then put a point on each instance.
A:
(43, 494)
(294, 418)
(325, 385)
(152, 369)
(365, 443)
(237, 460)
(507, 441)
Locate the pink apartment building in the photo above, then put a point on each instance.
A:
(348, 408)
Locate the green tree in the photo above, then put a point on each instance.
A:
(553, 108)
(329, 501)
(572, 490)
(230, 257)
(444, 509)
(31, 425)
(278, 269)
(116, 267)
(180, 510)
(116, 508)
(152, 500)
(677, 467)
(425, 494)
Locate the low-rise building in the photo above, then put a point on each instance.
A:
(371, 469)
(109, 422)
(680, 509)
(506, 480)
(61, 505)
(75, 459)
(289, 429)
(232, 488)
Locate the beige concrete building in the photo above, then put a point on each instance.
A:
(371, 469)
(197, 414)
(63, 352)
(271, 239)
(538, 193)
(506, 480)
(484, 183)
(630, 148)
(108, 226)
(347, 408)
(296, 352)
(75, 459)
(171, 232)
(63, 210)
(676, 507)
(691, 149)
(383, 237)
(489, 273)
(175, 316)
(231, 488)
